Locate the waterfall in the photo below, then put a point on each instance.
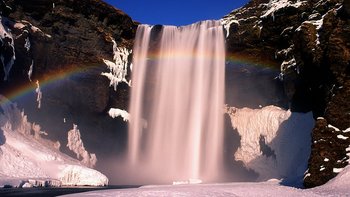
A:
(177, 101)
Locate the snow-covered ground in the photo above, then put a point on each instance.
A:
(27, 159)
(336, 187)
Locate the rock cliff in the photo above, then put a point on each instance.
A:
(309, 42)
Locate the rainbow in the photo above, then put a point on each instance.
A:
(68, 71)
(44, 81)
(256, 61)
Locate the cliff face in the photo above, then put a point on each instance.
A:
(59, 35)
(62, 44)
(309, 42)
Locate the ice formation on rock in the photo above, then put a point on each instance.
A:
(118, 70)
(274, 142)
(26, 159)
(114, 113)
(39, 94)
(76, 145)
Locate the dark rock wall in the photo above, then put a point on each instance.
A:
(74, 38)
(310, 44)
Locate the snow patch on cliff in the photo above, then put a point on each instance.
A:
(275, 5)
(275, 143)
(114, 113)
(227, 21)
(30, 71)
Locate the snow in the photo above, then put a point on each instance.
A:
(342, 137)
(337, 170)
(114, 113)
(39, 94)
(118, 69)
(326, 159)
(275, 5)
(288, 64)
(339, 186)
(346, 130)
(27, 157)
(30, 71)
(76, 145)
(333, 127)
(74, 175)
(189, 181)
(336, 187)
(8, 45)
(286, 134)
(23, 23)
(227, 22)
(27, 44)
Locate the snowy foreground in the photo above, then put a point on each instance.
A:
(336, 187)
(28, 160)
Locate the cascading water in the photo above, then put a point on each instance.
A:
(177, 100)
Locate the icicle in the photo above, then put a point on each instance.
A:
(39, 94)
(30, 71)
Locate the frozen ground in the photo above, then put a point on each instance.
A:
(29, 160)
(336, 187)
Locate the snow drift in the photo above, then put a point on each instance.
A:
(25, 155)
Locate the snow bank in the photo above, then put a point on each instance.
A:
(339, 186)
(275, 143)
(25, 156)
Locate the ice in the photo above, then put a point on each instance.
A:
(286, 134)
(114, 113)
(337, 170)
(76, 145)
(27, 44)
(346, 130)
(227, 22)
(333, 127)
(30, 71)
(39, 94)
(74, 175)
(118, 69)
(342, 137)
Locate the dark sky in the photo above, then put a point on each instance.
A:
(176, 12)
